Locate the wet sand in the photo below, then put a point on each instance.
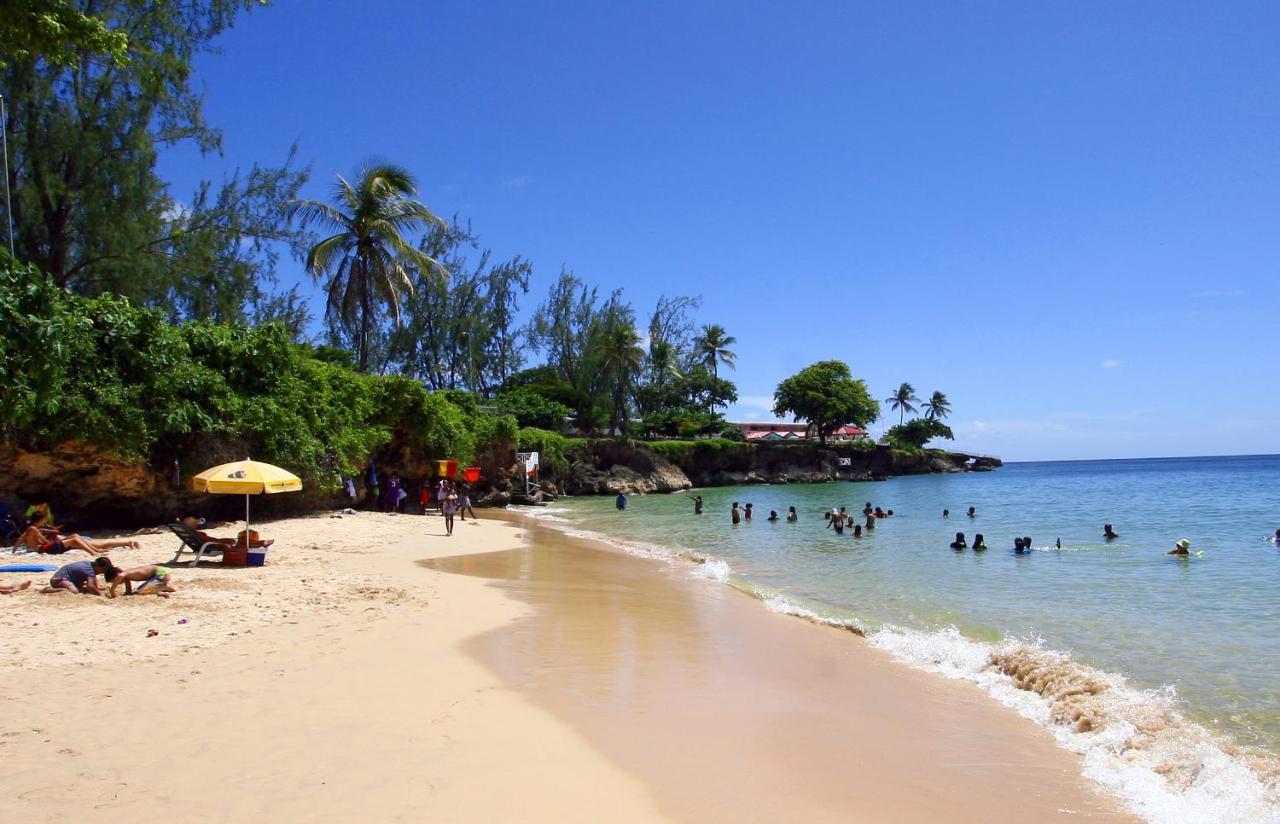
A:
(727, 711)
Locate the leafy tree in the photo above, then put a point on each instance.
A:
(826, 395)
(366, 261)
(917, 432)
(289, 309)
(88, 206)
(683, 422)
(57, 32)
(561, 326)
(618, 356)
(712, 348)
(530, 408)
(459, 330)
(937, 407)
(902, 401)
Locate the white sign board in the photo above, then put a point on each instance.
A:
(529, 459)
(846, 461)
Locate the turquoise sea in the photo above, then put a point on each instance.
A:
(1188, 648)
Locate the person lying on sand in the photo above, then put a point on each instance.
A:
(81, 576)
(9, 589)
(37, 538)
(151, 578)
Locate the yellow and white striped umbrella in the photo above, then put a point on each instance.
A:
(246, 478)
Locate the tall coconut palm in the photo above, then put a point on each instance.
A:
(937, 407)
(619, 359)
(367, 262)
(903, 400)
(711, 348)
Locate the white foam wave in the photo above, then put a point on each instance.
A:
(713, 569)
(1135, 743)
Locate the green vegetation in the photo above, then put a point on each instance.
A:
(104, 372)
(917, 432)
(826, 395)
(937, 407)
(903, 401)
(57, 32)
(552, 447)
(365, 261)
(677, 451)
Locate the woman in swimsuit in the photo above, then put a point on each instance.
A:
(38, 538)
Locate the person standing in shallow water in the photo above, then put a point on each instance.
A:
(959, 542)
(735, 513)
(946, 513)
(793, 517)
(746, 513)
(973, 512)
(1108, 532)
(697, 504)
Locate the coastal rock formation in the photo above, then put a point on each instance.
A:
(613, 467)
(608, 467)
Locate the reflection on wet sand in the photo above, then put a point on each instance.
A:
(730, 712)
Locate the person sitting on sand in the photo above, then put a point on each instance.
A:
(978, 543)
(1108, 532)
(9, 589)
(152, 578)
(39, 538)
(973, 512)
(1182, 547)
(735, 513)
(792, 516)
(81, 576)
(773, 515)
(959, 543)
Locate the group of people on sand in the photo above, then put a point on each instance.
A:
(39, 535)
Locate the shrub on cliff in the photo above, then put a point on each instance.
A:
(552, 447)
(104, 372)
(917, 432)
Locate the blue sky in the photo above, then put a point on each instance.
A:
(1064, 215)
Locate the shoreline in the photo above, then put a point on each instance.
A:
(700, 703)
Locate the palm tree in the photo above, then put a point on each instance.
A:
(902, 400)
(937, 407)
(712, 348)
(367, 260)
(619, 360)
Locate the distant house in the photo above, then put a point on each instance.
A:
(782, 431)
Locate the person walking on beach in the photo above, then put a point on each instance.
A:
(735, 514)
(465, 506)
(447, 507)
(793, 517)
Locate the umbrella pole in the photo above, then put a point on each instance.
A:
(246, 524)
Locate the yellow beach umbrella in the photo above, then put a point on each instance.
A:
(246, 478)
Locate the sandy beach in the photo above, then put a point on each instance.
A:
(376, 668)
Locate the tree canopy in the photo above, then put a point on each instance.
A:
(826, 395)
(917, 432)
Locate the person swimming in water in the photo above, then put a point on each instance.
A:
(1058, 543)
(1019, 547)
(735, 513)
(978, 543)
(946, 513)
(879, 513)
(1026, 540)
(773, 515)
(959, 543)
(857, 530)
(1276, 540)
(1182, 547)
(973, 512)
(1108, 532)
(791, 514)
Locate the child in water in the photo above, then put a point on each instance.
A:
(1108, 532)
(746, 513)
(773, 515)
(857, 530)
(978, 543)
(959, 543)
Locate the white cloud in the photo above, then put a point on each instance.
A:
(1112, 363)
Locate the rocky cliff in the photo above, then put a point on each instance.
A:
(612, 467)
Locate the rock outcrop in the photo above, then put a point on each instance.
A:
(613, 467)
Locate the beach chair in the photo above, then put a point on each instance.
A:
(191, 542)
(10, 529)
